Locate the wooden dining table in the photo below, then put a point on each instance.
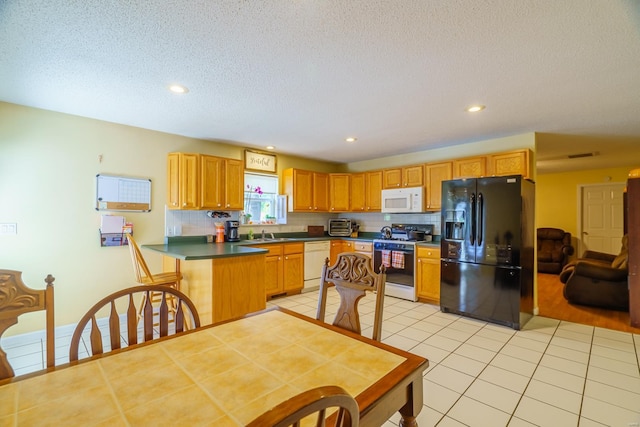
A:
(224, 374)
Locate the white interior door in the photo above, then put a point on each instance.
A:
(602, 217)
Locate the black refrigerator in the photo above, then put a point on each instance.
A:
(487, 249)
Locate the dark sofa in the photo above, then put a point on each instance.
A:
(598, 279)
(554, 250)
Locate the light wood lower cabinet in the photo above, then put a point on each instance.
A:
(428, 274)
(223, 288)
(284, 268)
(337, 247)
(365, 248)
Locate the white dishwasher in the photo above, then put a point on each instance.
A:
(314, 255)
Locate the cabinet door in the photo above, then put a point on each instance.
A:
(189, 178)
(339, 191)
(428, 274)
(472, 167)
(357, 192)
(373, 196)
(234, 184)
(302, 190)
(320, 192)
(173, 181)
(211, 182)
(436, 173)
(510, 163)
(392, 178)
(334, 250)
(273, 275)
(413, 176)
(293, 272)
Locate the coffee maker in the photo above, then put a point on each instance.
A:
(231, 231)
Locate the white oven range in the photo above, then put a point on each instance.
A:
(399, 259)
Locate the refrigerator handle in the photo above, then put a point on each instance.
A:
(472, 236)
(480, 218)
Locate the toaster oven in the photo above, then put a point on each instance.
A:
(339, 227)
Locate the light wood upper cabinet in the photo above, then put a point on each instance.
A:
(470, 167)
(339, 192)
(373, 191)
(510, 163)
(357, 190)
(428, 274)
(308, 191)
(366, 190)
(234, 184)
(408, 176)
(436, 173)
(183, 180)
(221, 183)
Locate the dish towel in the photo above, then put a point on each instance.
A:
(386, 258)
(397, 259)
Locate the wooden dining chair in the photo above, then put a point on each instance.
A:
(353, 276)
(144, 276)
(314, 401)
(186, 317)
(16, 298)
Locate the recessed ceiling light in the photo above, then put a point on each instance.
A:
(475, 108)
(178, 89)
(270, 147)
(351, 139)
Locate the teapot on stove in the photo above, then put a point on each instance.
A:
(386, 232)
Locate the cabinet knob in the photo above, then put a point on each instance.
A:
(419, 261)
(219, 204)
(184, 204)
(286, 257)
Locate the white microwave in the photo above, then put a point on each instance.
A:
(403, 200)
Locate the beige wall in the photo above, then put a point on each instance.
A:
(48, 167)
(48, 164)
(557, 195)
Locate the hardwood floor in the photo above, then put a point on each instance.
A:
(552, 304)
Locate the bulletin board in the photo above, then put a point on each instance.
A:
(119, 193)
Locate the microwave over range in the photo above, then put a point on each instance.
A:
(403, 200)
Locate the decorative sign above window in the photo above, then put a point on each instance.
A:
(261, 162)
(119, 193)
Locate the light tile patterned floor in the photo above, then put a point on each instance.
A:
(551, 373)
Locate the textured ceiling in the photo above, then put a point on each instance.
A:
(304, 74)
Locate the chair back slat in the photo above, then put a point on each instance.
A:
(163, 315)
(114, 325)
(132, 322)
(179, 317)
(148, 317)
(95, 337)
(188, 316)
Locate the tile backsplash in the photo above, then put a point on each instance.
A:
(197, 223)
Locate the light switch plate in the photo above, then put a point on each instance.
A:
(8, 229)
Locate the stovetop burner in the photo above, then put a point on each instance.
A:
(399, 232)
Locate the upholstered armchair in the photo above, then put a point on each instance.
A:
(598, 279)
(554, 250)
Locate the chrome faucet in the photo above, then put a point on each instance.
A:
(272, 236)
(263, 234)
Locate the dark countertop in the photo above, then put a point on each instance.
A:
(202, 250)
(188, 248)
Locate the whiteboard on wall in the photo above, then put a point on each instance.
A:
(120, 193)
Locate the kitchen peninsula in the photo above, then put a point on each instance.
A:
(224, 281)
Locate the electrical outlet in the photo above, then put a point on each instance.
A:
(8, 229)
